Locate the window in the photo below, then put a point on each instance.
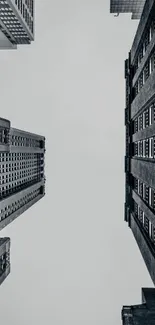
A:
(146, 224)
(151, 148)
(143, 49)
(138, 186)
(144, 120)
(143, 77)
(147, 194)
(150, 229)
(138, 148)
(151, 197)
(138, 85)
(144, 148)
(143, 217)
(150, 34)
(141, 148)
(151, 114)
(139, 124)
(151, 64)
(143, 191)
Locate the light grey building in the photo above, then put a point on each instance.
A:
(22, 180)
(4, 258)
(16, 23)
(127, 6)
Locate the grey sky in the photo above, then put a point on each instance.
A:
(74, 261)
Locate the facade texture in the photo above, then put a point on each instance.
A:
(127, 6)
(22, 180)
(4, 258)
(16, 22)
(142, 314)
(140, 137)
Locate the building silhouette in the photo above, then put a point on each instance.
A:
(22, 180)
(4, 258)
(127, 6)
(141, 314)
(16, 23)
(140, 137)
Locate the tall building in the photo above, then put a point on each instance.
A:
(4, 258)
(22, 180)
(140, 137)
(16, 23)
(141, 314)
(127, 6)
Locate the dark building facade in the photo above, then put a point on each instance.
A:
(22, 180)
(140, 137)
(4, 258)
(142, 314)
(127, 6)
(16, 23)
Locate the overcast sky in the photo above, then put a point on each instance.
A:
(74, 260)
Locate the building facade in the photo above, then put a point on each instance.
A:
(16, 23)
(140, 137)
(22, 179)
(4, 258)
(127, 6)
(141, 314)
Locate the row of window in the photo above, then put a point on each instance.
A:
(145, 222)
(10, 209)
(4, 136)
(12, 23)
(145, 119)
(144, 148)
(146, 72)
(143, 47)
(146, 192)
(19, 156)
(16, 184)
(10, 177)
(4, 261)
(19, 166)
(26, 11)
(24, 141)
(7, 190)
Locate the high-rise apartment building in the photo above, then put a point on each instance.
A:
(16, 23)
(22, 180)
(4, 258)
(127, 6)
(141, 314)
(140, 137)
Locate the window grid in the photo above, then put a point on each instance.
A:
(143, 47)
(144, 148)
(17, 204)
(19, 170)
(145, 222)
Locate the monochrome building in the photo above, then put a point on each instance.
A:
(140, 137)
(141, 314)
(127, 6)
(16, 23)
(22, 180)
(4, 258)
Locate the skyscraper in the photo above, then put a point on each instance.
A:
(127, 6)
(4, 258)
(16, 23)
(140, 137)
(141, 314)
(22, 180)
